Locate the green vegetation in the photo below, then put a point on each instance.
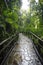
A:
(33, 20)
(12, 20)
(9, 17)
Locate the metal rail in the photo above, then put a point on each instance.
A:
(36, 47)
(7, 45)
(6, 39)
(39, 45)
(36, 36)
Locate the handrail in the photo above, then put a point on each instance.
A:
(8, 43)
(5, 46)
(6, 39)
(8, 46)
(38, 45)
(36, 36)
(41, 46)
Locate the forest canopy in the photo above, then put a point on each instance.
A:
(13, 18)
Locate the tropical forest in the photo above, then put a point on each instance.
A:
(19, 20)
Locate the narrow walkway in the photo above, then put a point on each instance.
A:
(23, 53)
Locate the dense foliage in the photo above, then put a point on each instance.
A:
(33, 21)
(9, 17)
(12, 20)
(34, 18)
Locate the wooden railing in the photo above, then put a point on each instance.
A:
(6, 47)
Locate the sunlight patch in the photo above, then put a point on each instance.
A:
(36, 1)
(25, 5)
